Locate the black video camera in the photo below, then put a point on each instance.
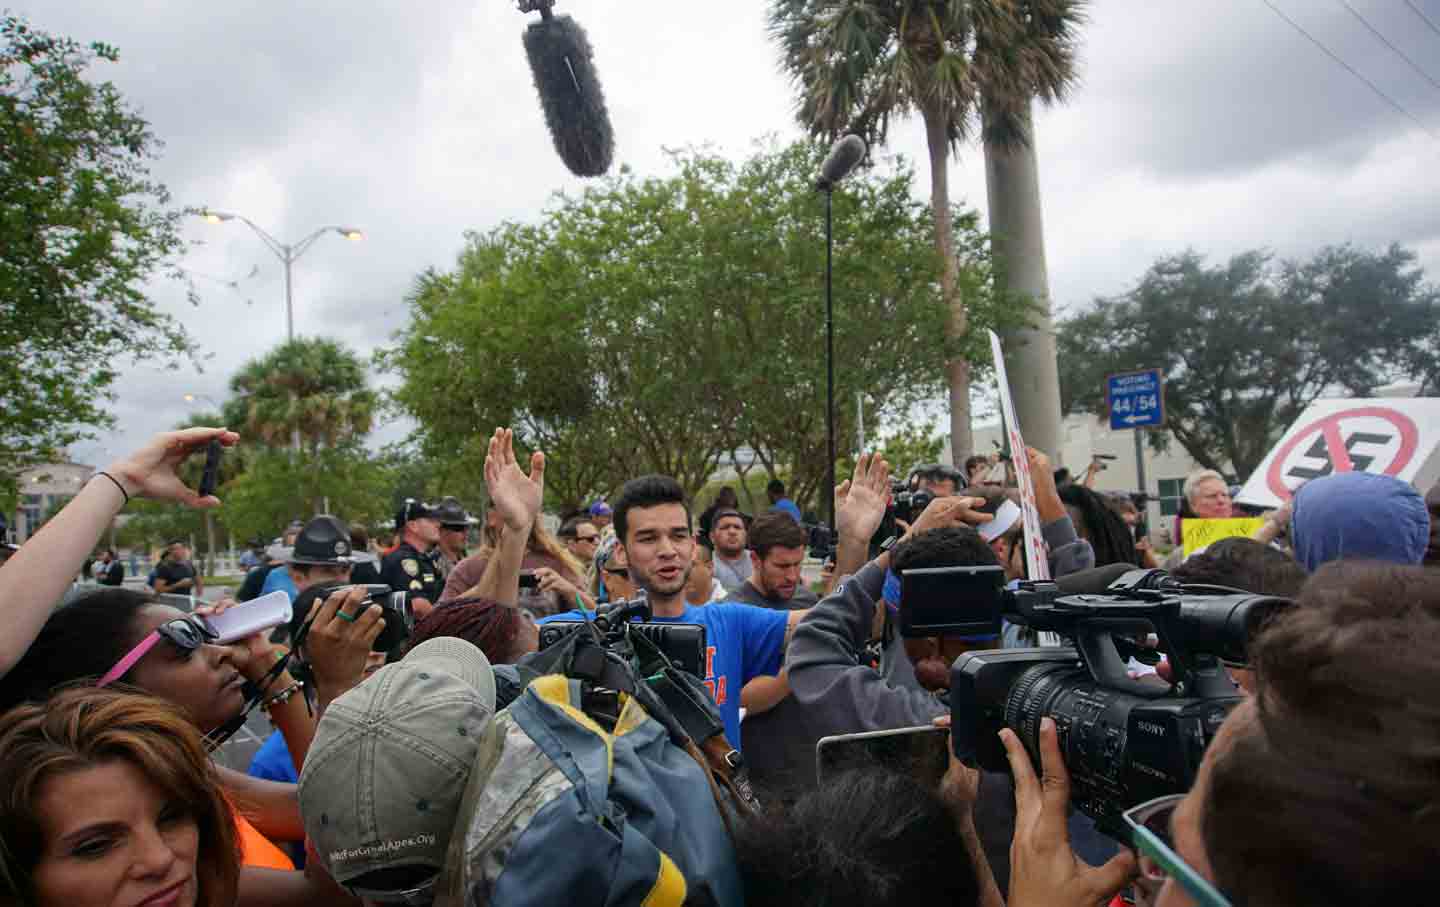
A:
(682, 644)
(397, 611)
(1125, 740)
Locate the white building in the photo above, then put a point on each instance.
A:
(44, 490)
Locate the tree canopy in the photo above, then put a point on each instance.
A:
(83, 228)
(313, 387)
(1247, 345)
(661, 324)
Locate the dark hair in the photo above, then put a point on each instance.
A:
(726, 497)
(359, 538)
(82, 639)
(1107, 533)
(1244, 564)
(490, 626)
(1062, 477)
(775, 486)
(871, 838)
(975, 460)
(950, 546)
(1329, 795)
(646, 491)
(80, 728)
(775, 529)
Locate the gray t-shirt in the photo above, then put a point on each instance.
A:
(747, 593)
(733, 574)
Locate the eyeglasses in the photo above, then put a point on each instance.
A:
(1150, 833)
(622, 572)
(185, 634)
(592, 539)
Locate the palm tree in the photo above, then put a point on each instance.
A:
(857, 63)
(313, 390)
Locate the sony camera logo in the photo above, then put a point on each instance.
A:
(1151, 727)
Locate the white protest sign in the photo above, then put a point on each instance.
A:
(1385, 436)
(1037, 557)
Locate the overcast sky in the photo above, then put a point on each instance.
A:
(1208, 125)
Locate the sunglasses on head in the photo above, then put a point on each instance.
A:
(184, 633)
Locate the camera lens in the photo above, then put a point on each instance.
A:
(1033, 696)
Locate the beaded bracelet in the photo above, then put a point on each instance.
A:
(281, 697)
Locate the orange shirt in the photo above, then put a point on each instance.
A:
(258, 850)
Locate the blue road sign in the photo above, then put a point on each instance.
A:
(1135, 399)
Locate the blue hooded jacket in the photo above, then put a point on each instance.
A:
(1359, 516)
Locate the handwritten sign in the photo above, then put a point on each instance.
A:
(1037, 554)
(1201, 534)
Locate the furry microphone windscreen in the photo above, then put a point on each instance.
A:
(561, 60)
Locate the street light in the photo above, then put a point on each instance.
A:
(288, 253)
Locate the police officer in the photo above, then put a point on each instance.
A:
(411, 566)
(454, 533)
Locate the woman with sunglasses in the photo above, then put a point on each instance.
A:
(120, 639)
(1321, 788)
(111, 799)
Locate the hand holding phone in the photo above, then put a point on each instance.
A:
(255, 616)
(214, 451)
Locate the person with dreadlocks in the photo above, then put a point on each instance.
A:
(1096, 523)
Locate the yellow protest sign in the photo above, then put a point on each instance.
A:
(1203, 533)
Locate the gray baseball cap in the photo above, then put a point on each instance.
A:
(386, 773)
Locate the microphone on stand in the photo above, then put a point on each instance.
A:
(843, 157)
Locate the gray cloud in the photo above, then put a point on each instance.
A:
(1211, 126)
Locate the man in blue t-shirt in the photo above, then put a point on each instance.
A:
(778, 501)
(742, 642)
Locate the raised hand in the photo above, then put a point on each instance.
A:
(860, 501)
(150, 471)
(952, 511)
(515, 495)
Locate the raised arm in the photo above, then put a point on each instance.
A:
(517, 498)
(36, 577)
(860, 503)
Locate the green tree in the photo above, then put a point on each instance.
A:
(83, 228)
(911, 445)
(345, 480)
(311, 388)
(660, 324)
(858, 63)
(1247, 345)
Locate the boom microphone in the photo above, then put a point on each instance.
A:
(561, 60)
(843, 157)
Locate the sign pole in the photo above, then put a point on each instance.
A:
(1140, 466)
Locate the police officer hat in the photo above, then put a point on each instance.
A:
(411, 509)
(323, 541)
(452, 515)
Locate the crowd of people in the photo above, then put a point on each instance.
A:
(460, 726)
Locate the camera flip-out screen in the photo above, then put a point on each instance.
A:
(951, 601)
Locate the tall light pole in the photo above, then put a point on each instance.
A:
(288, 253)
